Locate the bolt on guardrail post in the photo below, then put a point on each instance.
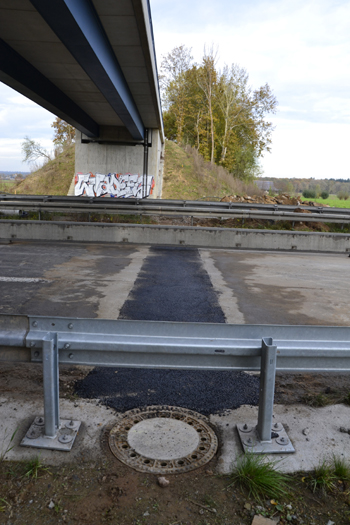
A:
(267, 389)
(51, 388)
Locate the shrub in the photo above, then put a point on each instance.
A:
(343, 194)
(324, 195)
(309, 194)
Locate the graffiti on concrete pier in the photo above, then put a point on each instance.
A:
(112, 185)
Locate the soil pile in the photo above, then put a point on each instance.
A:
(284, 198)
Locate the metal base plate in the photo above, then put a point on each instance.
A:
(64, 439)
(280, 442)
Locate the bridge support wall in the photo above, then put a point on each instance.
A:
(95, 157)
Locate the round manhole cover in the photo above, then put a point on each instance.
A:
(163, 439)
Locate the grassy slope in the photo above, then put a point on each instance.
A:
(187, 176)
(52, 179)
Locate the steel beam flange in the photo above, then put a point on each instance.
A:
(126, 440)
(279, 444)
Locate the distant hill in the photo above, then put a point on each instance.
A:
(8, 173)
(54, 178)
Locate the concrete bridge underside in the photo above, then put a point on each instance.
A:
(93, 64)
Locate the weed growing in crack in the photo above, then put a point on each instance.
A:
(34, 467)
(155, 506)
(210, 502)
(3, 504)
(6, 446)
(259, 476)
(58, 507)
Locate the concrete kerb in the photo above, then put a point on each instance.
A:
(314, 432)
(173, 235)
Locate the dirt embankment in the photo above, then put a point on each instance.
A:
(283, 199)
(268, 199)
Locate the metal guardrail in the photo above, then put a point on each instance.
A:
(172, 208)
(152, 344)
(5, 197)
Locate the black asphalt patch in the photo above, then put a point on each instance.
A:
(172, 286)
(204, 391)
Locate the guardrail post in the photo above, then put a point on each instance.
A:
(267, 389)
(266, 438)
(49, 431)
(51, 385)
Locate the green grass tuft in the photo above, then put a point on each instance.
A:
(323, 477)
(34, 467)
(341, 468)
(259, 476)
(316, 401)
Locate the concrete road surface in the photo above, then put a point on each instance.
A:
(141, 282)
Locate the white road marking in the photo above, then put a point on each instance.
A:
(23, 280)
(116, 291)
(227, 300)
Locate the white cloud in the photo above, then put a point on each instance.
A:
(308, 149)
(20, 117)
(11, 153)
(302, 49)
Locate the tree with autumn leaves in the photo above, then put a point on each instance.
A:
(216, 111)
(64, 133)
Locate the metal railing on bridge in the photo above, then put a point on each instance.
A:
(171, 208)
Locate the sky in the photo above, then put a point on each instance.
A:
(300, 48)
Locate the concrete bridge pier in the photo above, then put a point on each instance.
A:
(103, 156)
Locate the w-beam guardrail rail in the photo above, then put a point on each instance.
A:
(171, 208)
(152, 344)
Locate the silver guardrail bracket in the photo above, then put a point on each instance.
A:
(266, 437)
(279, 443)
(64, 436)
(49, 431)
